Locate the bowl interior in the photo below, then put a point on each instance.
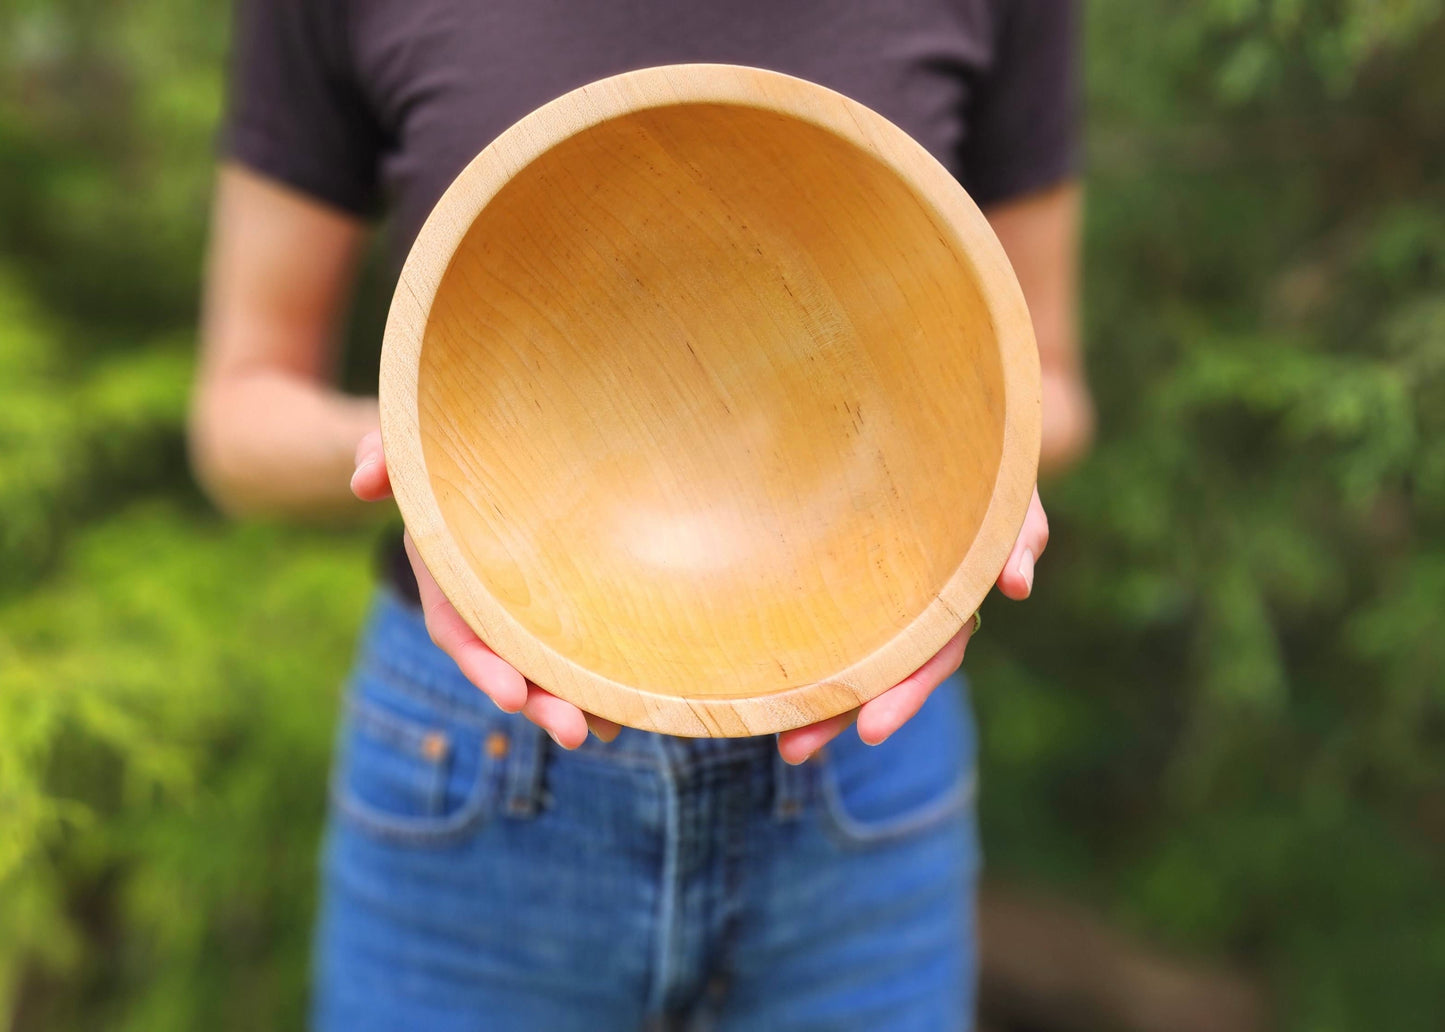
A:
(710, 401)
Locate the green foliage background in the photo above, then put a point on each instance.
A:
(1222, 719)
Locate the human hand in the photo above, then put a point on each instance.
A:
(884, 714)
(568, 725)
(498, 679)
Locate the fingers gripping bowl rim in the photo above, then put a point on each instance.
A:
(710, 400)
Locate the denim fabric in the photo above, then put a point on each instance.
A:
(475, 876)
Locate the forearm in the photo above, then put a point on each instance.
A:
(269, 435)
(1068, 411)
(270, 443)
(1068, 406)
(1040, 234)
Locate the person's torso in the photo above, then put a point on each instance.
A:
(443, 78)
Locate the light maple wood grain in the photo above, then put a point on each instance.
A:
(710, 400)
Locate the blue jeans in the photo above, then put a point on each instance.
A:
(475, 876)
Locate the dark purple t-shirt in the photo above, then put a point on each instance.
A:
(374, 106)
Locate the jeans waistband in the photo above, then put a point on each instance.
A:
(396, 641)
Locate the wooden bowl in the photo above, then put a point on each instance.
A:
(710, 400)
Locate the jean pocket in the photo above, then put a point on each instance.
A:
(920, 778)
(409, 775)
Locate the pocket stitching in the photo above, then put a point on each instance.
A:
(397, 730)
(857, 832)
(408, 735)
(409, 829)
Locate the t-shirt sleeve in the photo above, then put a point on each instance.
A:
(293, 109)
(1024, 112)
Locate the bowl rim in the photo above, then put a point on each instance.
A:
(426, 266)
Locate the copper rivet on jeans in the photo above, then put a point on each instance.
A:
(434, 745)
(497, 744)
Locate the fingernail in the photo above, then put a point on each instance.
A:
(557, 741)
(800, 760)
(360, 470)
(865, 741)
(1026, 568)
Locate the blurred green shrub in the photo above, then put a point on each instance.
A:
(167, 698)
(1221, 718)
(167, 682)
(1233, 733)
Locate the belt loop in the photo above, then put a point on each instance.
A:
(525, 760)
(790, 785)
